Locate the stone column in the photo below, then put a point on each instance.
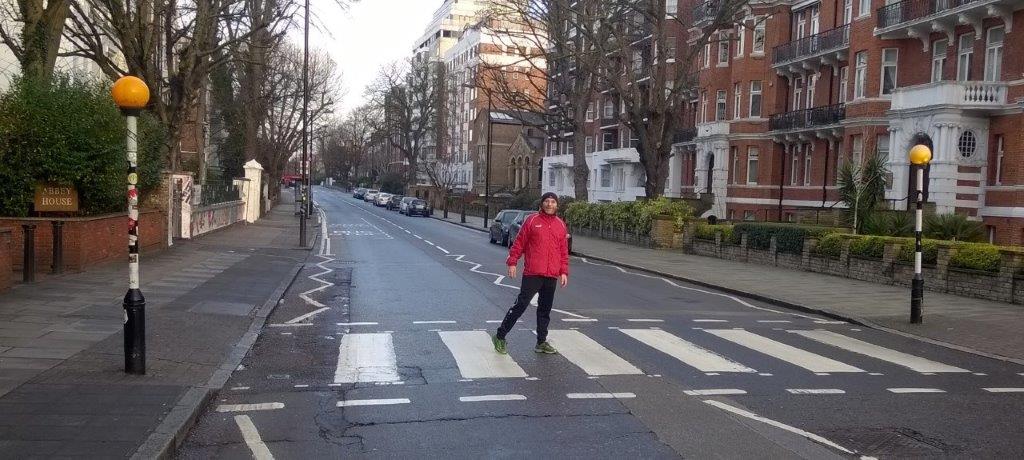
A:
(254, 175)
(1008, 267)
(674, 185)
(941, 269)
(809, 245)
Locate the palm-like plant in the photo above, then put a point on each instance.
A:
(954, 227)
(862, 188)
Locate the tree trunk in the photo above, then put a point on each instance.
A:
(41, 36)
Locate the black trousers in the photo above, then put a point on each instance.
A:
(531, 286)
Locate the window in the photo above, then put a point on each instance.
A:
(735, 170)
(570, 147)
(844, 83)
(553, 148)
(551, 178)
(994, 54)
(590, 111)
(860, 78)
(755, 99)
(758, 36)
(999, 159)
(752, 153)
(807, 165)
(741, 35)
(620, 180)
(865, 8)
(801, 24)
(609, 109)
(723, 49)
(704, 106)
(670, 48)
(889, 58)
(858, 149)
(794, 166)
(847, 11)
(840, 155)
(749, 215)
(588, 145)
(939, 50)
(720, 106)
(810, 90)
(737, 99)
(623, 138)
(707, 55)
(607, 140)
(882, 153)
(815, 20)
(964, 58)
(633, 139)
(798, 92)
(606, 176)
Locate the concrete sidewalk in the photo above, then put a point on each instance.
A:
(62, 386)
(978, 326)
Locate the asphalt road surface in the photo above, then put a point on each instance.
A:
(381, 350)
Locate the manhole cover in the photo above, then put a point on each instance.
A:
(889, 442)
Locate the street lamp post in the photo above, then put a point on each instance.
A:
(131, 94)
(920, 155)
(487, 161)
(305, 190)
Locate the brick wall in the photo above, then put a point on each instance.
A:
(6, 254)
(87, 240)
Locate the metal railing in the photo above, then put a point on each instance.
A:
(809, 118)
(909, 10)
(212, 193)
(830, 40)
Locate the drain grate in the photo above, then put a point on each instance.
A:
(889, 442)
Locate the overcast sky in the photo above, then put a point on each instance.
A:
(371, 33)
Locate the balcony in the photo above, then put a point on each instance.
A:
(818, 118)
(810, 53)
(918, 18)
(715, 128)
(966, 95)
(684, 135)
(608, 122)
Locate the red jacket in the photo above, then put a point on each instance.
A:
(542, 240)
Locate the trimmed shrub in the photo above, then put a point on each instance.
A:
(976, 256)
(929, 251)
(634, 216)
(831, 245)
(707, 231)
(789, 237)
(871, 247)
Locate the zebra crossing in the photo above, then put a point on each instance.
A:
(371, 357)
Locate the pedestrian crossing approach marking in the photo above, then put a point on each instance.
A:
(486, 398)
(1004, 390)
(249, 407)
(811, 391)
(600, 395)
(358, 324)
(475, 356)
(715, 392)
(373, 402)
(915, 390)
(366, 358)
(252, 438)
(861, 347)
(589, 355)
(805, 359)
(690, 354)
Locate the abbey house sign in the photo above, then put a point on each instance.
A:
(56, 198)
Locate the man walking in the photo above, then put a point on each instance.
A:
(542, 240)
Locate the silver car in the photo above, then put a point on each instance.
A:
(370, 195)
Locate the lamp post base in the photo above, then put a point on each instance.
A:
(134, 332)
(916, 298)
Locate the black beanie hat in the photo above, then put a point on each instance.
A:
(548, 195)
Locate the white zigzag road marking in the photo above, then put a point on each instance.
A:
(498, 281)
(325, 249)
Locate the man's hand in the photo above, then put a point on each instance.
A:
(564, 279)
(512, 271)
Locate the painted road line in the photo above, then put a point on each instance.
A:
(373, 402)
(290, 325)
(690, 354)
(1004, 390)
(574, 315)
(428, 242)
(239, 388)
(439, 248)
(307, 315)
(589, 355)
(915, 390)
(644, 320)
(580, 320)
(829, 322)
(885, 354)
(793, 355)
(774, 321)
(600, 395)
(357, 324)
(715, 392)
(249, 407)
(366, 358)
(710, 321)
(492, 398)
(753, 416)
(813, 391)
(252, 438)
(494, 321)
(433, 322)
(475, 356)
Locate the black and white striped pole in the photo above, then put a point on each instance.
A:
(131, 94)
(920, 155)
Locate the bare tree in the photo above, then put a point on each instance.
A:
(36, 45)
(406, 96)
(344, 148)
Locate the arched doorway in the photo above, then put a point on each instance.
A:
(926, 140)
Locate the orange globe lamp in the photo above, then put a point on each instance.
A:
(130, 93)
(920, 154)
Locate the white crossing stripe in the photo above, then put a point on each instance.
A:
(710, 321)
(600, 395)
(433, 322)
(474, 353)
(812, 391)
(915, 390)
(366, 358)
(492, 398)
(861, 347)
(693, 355)
(372, 402)
(357, 324)
(589, 355)
(715, 392)
(580, 320)
(1004, 390)
(249, 407)
(805, 359)
(645, 320)
(774, 321)
(252, 438)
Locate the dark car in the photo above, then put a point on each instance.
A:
(394, 202)
(417, 207)
(502, 222)
(359, 193)
(517, 225)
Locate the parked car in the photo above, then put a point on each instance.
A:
(517, 225)
(394, 202)
(403, 207)
(417, 207)
(382, 199)
(358, 193)
(502, 222)
(370, 195)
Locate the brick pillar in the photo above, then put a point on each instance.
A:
(773, 248)
(718, 243)
(745, 246)
(809, 245)
(6, 259)
(942, 269)
(889, 260)
(661, 232)
(844, 259)
(1008, 266)
(688, 230)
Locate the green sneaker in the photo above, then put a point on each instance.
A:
(499, 345)
(545, 347)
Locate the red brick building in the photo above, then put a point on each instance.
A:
(805, 86)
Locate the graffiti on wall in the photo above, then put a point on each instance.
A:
(215, 217)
